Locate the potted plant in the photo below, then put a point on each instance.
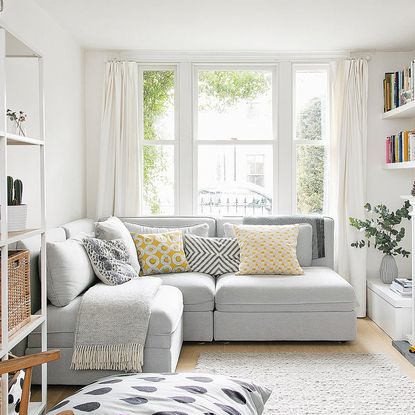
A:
(17, 119)
(16, 211)
(381, 232)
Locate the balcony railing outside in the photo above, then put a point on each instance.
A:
(235, 207)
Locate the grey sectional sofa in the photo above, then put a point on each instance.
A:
(318, 305)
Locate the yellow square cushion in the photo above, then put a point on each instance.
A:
(161, 253)
(268, 249)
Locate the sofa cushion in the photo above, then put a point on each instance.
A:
(214, 256)
(110, 260)
(113, 228)
(173, 222)
(166, 313)
(199, 230)
(198, 289)
(69, 271)
(304, 241)
(268, 249)
(319, 289)
(161, 253)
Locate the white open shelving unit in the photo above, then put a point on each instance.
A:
(11, 47)
(404, 111)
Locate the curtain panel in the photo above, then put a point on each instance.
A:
(119, 172)
(348, 169)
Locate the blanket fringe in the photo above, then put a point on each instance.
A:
(121, 357)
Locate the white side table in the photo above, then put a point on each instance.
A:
(389, 310)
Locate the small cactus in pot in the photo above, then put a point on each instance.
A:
(9, 190)
(16, 211)
(18, 192)
(14, 191)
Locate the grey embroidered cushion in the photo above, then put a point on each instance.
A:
(199, 230)
(214, 256)
(110, 260)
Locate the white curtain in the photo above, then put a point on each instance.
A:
(348, 169)
(119, 172)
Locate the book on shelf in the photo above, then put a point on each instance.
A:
(400, 147)
(398, 87)
(402, 286)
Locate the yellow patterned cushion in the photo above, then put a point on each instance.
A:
(268, 249)
(161, 253)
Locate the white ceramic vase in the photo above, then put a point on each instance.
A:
(388, 269)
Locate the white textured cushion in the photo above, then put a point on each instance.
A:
(197, 230)
(113, 228)
(69, 271)
(304, 242)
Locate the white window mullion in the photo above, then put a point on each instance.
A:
(286, 177)
(185, 163)
(275, 147)
(141, 137)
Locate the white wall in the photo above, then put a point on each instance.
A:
(64, 108)
(385, 186)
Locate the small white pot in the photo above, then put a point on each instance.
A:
(17, 217)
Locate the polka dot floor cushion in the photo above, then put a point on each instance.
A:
(168, 394)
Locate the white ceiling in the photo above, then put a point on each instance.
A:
(263, 25)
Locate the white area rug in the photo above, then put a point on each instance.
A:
(321, 383)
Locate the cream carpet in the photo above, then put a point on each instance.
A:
(321, 383)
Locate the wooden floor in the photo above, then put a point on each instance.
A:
(370, 339)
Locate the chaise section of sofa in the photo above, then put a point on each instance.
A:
(161, 351)
(318, 305)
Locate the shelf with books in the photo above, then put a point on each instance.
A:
(404, 111)
(400, 148)
(398, 88)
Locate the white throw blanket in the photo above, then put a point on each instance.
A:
(112, 325)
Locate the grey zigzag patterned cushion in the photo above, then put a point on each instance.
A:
(214, 256)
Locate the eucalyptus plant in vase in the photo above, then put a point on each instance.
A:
(381, 232)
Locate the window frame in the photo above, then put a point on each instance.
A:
(185, 143)
(175, 142)
(271, 67)
(317, 68)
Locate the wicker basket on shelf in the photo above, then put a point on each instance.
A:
(19, 290)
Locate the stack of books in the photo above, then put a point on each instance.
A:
(402, 286)
(400, 147)
(398, 87)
